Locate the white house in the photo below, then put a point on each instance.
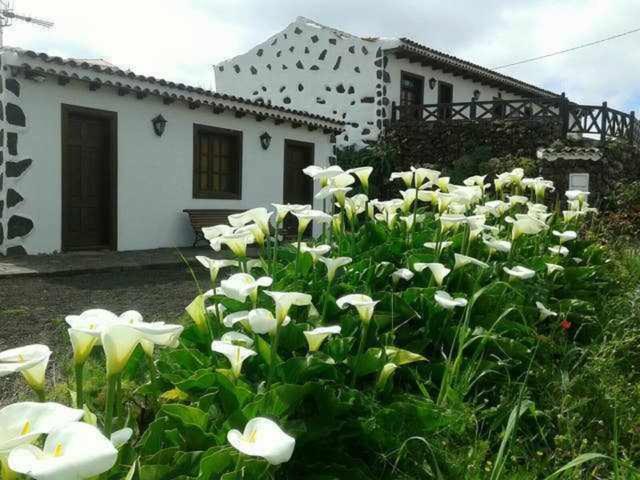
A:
(356, 79)
(96, 157)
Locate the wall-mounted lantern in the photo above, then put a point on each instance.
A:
(265, 140)
(159, 123)
(432, 83)
(476, 95)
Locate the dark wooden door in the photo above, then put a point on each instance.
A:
(445, 95)
(298, 187)
(411, 94)
(88, 179)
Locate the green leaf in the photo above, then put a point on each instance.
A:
(579, 460)
(189, 416)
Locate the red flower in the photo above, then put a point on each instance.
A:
(565, 324)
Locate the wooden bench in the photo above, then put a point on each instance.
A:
(206, 218)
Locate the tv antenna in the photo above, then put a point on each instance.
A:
(8, 15)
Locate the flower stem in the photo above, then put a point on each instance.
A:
(237, 471)
(363, 341)
(112, 383)
(274, 355)
(298, 251)
(42, 397)
(79, 368)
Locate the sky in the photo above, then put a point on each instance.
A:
(180, 40)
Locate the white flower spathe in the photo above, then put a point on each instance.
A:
(523, 273)
(216, 231)
(565, 236)
(22, 423)
(230, 320)
(559, 250)
(333, 264)
(544, 311)
(553, 267)
(434, 245)
(322, 174)
(263, 438)
(214, 265)
(73, 451)
(526, 225)
(30, 360)
(401, 274)
(463, 260)
(236, 354)
(239, 286)
(363, 174)
(316, 252)
(364, 304)
(318, 335)
(262, 321)
(236, 242)
(438, 270)
(447, 301)
(307, 216)
(496, 245)
(237, 338)
(284, 301)
(282, 210)
(260, 216)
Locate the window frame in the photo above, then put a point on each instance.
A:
(207, 129)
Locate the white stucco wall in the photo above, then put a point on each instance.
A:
(462, 88)
(314, 68)
(154, 173)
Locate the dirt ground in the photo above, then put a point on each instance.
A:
(32, 309)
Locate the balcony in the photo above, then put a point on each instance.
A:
(599, 121)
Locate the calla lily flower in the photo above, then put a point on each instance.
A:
(30, 360)
(577, 195)
(406, 177)
(475, 180)
(316, 252)
(85, 330)
(333, 264)
(363, 174)
(262, 321)
(217, 231)
(242, 285)
(260, 216)
(463, 260)
(234, 353)
(284, 301)
(237, 338)
(363, 304)
(74, 451)
(322, 174)
(254, 230)
(401, 274)
(120, 340)
(451, 222)
(22, 423)
(496, 245)
(434, 245)
(214, 265)
(121, 437)
(552, 267)
(517, 200)
(283, 210)
(306, 216)
(338, 192)
(236, 241)
(447, 301)
(438, 270)
(263, 438)
(443, 183)
(523, 273)
(559, 250)
(230, 320)
(409, 220)
(566, 236)
(318, 335)
(526, 225)
(544, 311)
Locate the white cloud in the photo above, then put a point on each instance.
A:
(181, 40)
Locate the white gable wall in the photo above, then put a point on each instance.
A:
(312, 68)
(155, 174)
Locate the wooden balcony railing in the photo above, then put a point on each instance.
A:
(600, 120)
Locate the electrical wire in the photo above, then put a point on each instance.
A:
(567, 50)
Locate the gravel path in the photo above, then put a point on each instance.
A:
(32, 309)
